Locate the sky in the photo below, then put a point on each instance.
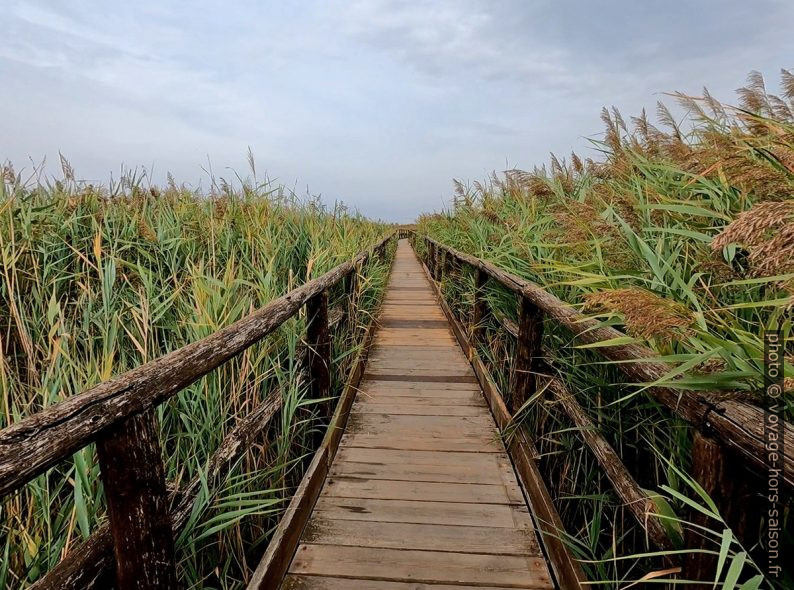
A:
(377, 103)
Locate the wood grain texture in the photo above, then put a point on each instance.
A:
(134, 480)
(530, 332)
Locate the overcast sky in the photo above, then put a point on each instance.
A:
(378, 103)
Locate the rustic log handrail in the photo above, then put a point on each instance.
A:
(737, 425)
(119, 416)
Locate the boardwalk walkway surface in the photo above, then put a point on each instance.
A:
(421, 493)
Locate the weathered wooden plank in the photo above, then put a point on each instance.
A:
(490, 444)
(484, 461)
(436, 426)
(452, 365)
(375, 384)
(451, 513)
(415, 355)
(426, 537)
(422, 376)
(421, 566)
(342, 487)
(298, 582)
(466, 399)
(376, 469)
(402, 408)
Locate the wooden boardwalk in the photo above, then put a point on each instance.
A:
(421, 493)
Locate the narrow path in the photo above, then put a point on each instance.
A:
(421, 493)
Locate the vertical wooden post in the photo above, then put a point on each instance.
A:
(449, 264)
(480, 308)
(319, 342)
(431, 258)
(132, 471)
(354, 295)
(530, 331)
(380, 251)
(441, 264)
(731, 490)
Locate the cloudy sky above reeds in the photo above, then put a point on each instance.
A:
(375, 102)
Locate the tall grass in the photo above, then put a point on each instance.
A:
(95, 281)
(683, 238)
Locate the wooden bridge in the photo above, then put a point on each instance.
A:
(421, 488)
(416, 484)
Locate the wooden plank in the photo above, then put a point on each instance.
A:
(421, 566)
(478, 427)
(434, 387)
(298, 582)
(467, 399)
(485, 461)
(342, 487)
(426, 537)
(451, 513)
(405, 354)
(405, 409)
(490, 444)
(407, 471)
(451, 365)
(422, 376)
(428, 391)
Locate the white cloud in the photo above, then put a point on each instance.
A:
(377, 102)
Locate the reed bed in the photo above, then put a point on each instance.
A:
(682, 236)
(97, 280)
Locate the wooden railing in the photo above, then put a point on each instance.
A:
(119, 415)
(725, 428)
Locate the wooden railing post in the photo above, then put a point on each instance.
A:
(319, 343)
(431, 258)
(132, 471)
(443, 265)
(530, 332)
(351, 292)
(731, 489)
(380, 251)
(480, 307)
